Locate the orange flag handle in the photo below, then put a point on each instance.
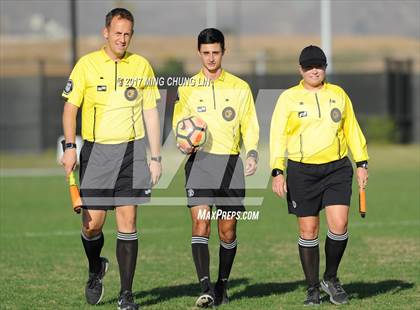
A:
(76, 201)
(362, 202)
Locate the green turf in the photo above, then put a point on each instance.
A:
(42, 264)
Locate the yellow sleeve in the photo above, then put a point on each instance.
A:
(181, 109)
(278, 134)
(353, 134)
(74, 91)
(250, 129)
(150, 91)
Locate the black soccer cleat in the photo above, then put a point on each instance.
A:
(126, 301)
(312, 297)
(336, 292)
(206, 299)
(94, 290)
(220, 293)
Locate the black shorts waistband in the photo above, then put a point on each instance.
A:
(297, 163)
(87, 142)
(207, 154)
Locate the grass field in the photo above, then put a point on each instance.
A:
(42, 264)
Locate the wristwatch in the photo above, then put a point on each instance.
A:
(362, 164)
(156, 158)
(276, 172)
(68, 145)
(253, 154)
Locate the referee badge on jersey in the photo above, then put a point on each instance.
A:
(131, 93)
(228, 114)
(69, 87)
(336, 115)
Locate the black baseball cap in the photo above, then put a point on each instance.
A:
(312, 56)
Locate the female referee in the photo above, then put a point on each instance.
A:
(313, 126)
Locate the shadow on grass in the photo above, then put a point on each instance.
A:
(160, 294)
(267, 289)
(359, 290)
(362, 290)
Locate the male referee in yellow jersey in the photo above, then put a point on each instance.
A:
(215, 174)
(314, 125)
(111, 86)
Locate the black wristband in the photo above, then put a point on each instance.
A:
(253, 154)
(362, 164)
(156, 158)
(69, 145)
(276, 172)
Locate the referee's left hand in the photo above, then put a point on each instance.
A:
(155, 171)
(250, 166)
(362, 177)
(279, 186)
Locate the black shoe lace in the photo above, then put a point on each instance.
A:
(93, 281)
(312, 291)
(337, 286)
(127, 297)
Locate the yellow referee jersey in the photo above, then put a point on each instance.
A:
(226, 105)
(314, 127)
(112, 96)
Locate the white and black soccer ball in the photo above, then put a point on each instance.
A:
(191, 133)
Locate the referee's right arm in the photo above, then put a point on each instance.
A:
(73, 93)
(278, 146)
(69, 158)
(181, 109)
(278, 134)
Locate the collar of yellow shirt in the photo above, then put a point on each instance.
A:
(106, 58)
(220, 78)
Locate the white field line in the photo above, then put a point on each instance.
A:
(365, 223)
(72, 233)
(147, 231)
(182, 201)
(31, 172)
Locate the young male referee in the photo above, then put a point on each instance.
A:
(314, 123)
(215, 174)
(110, 86)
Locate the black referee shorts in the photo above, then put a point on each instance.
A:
(113, 175)
(213, 179)
(312, 187)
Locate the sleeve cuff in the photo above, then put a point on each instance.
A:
(278, 163)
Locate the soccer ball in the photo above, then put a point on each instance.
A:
(191, 133)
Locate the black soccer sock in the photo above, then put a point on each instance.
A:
(201, 256)
(127, 248)
(334, 250)
(227, 252)
(93, 247)
(309, 258)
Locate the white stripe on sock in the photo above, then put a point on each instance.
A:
(127, 236)
(202, 240)
(90, 239)
(336, 237)
(308, 243)
(228, 246)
